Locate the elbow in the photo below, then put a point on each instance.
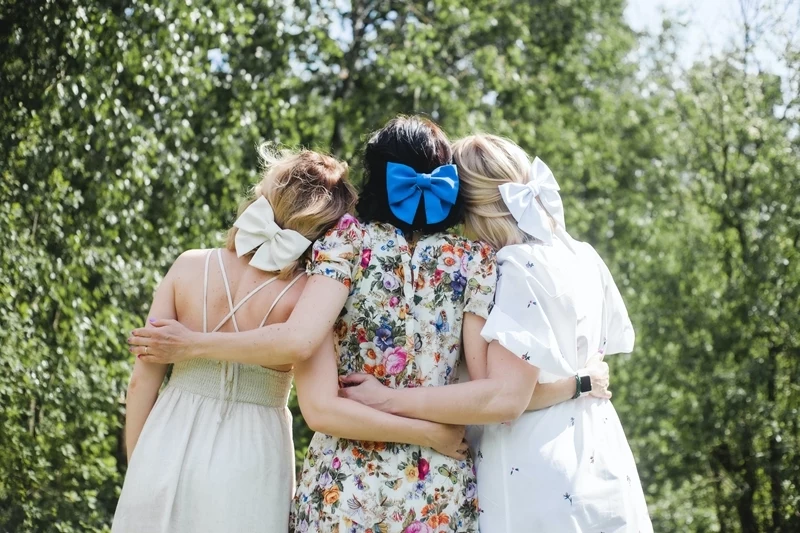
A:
(303, 351)
(300, 347)
(134, 385)
(317, 418)
(512, 410)
(512, 403)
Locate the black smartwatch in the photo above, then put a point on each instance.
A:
(583, 384)
(586, 384)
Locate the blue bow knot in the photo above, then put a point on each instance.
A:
(424, 181)
(406, 188)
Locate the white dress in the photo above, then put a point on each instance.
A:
(216, 453)
(567, 468)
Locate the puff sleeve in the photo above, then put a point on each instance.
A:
(618, 330)
(519, 323)
(481, 280)
(338, 253)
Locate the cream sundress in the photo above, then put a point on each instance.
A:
(402, 324)
(216, 453)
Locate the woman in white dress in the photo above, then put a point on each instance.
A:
(564, 465)
(567, 467)
(215, 453)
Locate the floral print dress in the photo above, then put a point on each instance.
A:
(402, 324)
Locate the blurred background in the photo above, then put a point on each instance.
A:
(128, 132)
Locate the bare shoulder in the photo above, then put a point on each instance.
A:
(294, 293)
(288, 301)
(189, 262)
(193, 255)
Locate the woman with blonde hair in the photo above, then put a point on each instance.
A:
(213, 452)
(563, 466)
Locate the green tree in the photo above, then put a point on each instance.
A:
(122, 145)
(713, 399)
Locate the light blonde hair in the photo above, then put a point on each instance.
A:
(484, 163)
(309, 192)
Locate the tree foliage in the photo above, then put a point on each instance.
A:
(127, 131)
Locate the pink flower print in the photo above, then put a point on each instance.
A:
(366, 255)
(336, 463)
(393, 301)
(418, 527)
(464, 264)
(394, 360)
(424, 467)
(346, 221)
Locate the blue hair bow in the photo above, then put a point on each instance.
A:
(406, 187)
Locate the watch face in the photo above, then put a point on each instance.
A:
(586, 383)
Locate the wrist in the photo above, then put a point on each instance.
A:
(429, 432)
(577, 382)
(390, 403)
(200, 345)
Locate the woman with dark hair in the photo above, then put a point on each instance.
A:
(398, 294)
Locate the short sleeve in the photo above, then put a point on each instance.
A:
(337, 254)
(619, 334)
(481, 280)
(519, 324)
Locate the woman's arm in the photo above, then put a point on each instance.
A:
(476, 349)
(290, 342)
(146, 378)
(548, 394)
(502, 396)
(324, 411)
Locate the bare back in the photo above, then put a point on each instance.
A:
(268, 300)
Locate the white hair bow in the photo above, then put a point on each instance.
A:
(277, 247)
(521, 202)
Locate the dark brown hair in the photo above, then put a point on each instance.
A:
(414, 141)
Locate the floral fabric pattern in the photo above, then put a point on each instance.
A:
(401, 323)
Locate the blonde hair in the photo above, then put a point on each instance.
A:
(309, 192)
(484, 163)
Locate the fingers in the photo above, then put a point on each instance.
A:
(457, 454)
(601, 392)
(142, 332)
(354, 379)
(160, 322)
(134, 342)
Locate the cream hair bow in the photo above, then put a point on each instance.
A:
(521, 202)
(277, 247)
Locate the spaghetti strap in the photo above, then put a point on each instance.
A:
(231, 315)
(205, 293)
(280, 295)
(242, 302)
(227, 289)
